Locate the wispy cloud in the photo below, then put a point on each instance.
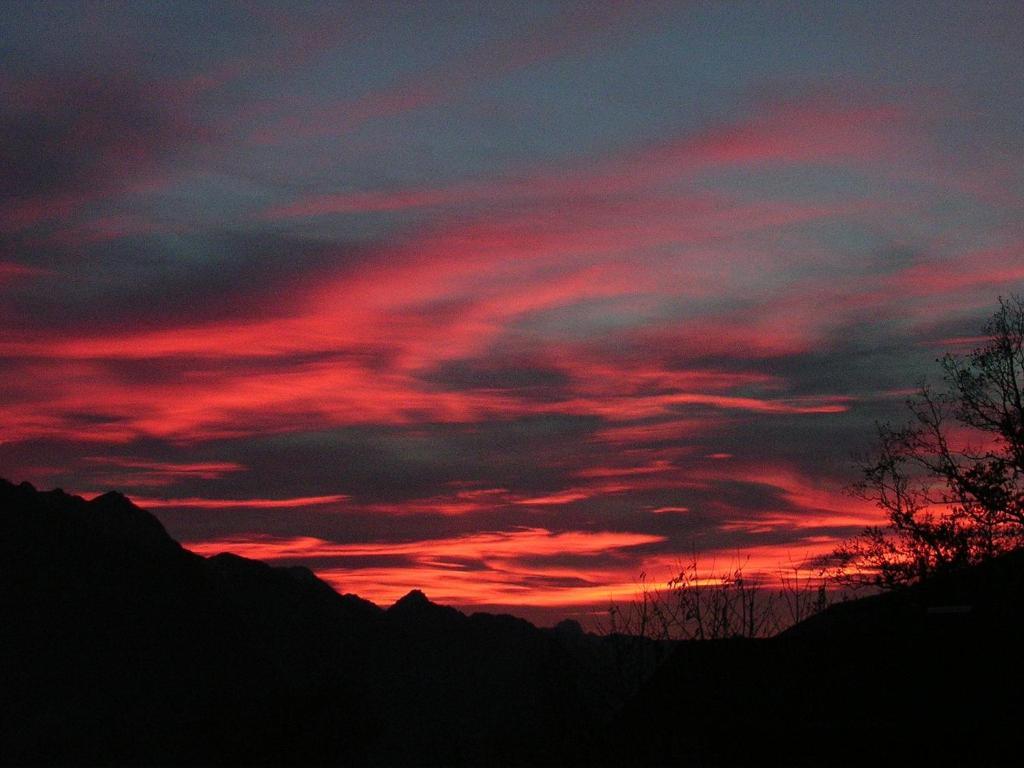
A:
(489, 568)
(597, 278)
(301, 501)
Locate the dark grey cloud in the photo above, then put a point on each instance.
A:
(501, 371)
(79, 135)
(147, 282)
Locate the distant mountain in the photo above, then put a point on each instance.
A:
(119, 646)
(930, 675)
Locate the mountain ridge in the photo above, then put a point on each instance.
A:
(256, 663)
(121, 647)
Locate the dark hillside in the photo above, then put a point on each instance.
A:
(928, 673)
(119, 646)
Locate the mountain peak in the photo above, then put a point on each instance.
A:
(116, 513)
(569, 627)
(112, 497)
(110, 517)
(415, 608)
(414, 598)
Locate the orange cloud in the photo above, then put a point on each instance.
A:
(523, 542)
(517, 568)
(476, 569)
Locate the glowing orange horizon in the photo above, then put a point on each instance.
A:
(516, 568)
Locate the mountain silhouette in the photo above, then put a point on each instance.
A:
(118, 646)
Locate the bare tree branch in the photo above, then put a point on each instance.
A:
(951, 480)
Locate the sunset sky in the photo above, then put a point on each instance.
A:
(509, 302)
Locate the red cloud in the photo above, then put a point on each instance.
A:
(300, 501)
(450, 294)
(516, 568)
(141, 472)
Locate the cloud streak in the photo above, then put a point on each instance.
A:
(482, 568)
(570, 290)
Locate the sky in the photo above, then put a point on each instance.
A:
(515, 303)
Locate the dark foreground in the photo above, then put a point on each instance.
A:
(119, 647)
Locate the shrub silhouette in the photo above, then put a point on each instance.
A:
(699, 603)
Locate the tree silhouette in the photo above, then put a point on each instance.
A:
(951, 480)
